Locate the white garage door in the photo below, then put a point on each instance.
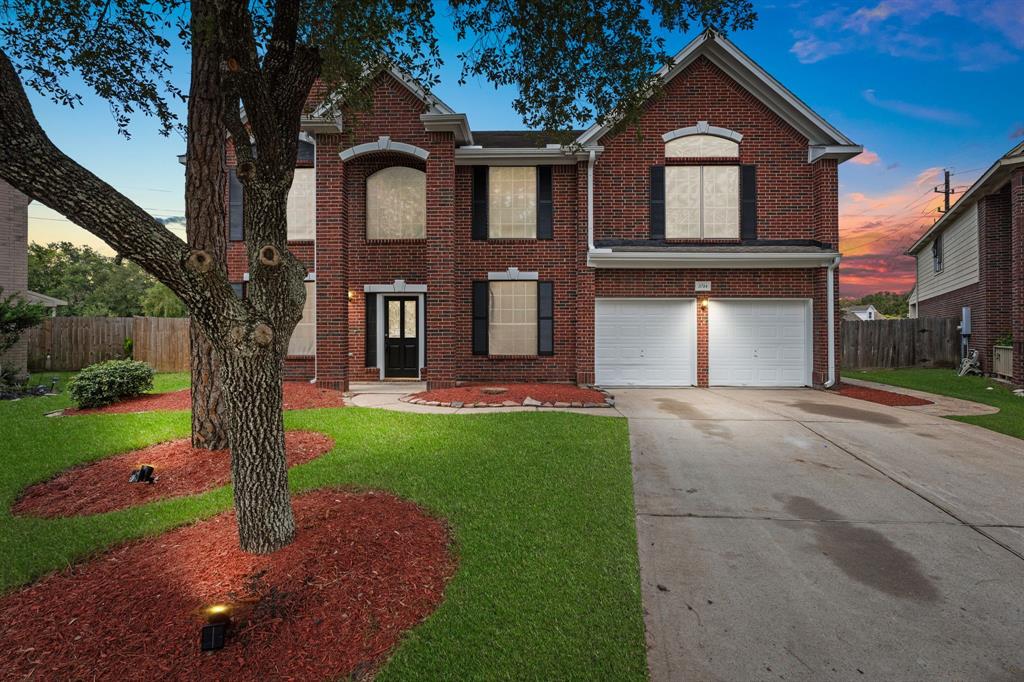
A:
(645, 342)
(758, 343)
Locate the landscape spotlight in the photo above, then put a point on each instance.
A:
(144, 474)
(218, 617)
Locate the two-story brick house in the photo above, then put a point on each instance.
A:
(697, 248)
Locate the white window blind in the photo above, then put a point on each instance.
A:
(512, 202)
(396, 204)
(702, 202)
(303, 340)
(512, 318)
(302, 205)
(702, 146)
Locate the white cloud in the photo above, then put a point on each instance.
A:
(919, 111)
(810, 49)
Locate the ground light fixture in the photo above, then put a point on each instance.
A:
(144, 474)
(218, 618)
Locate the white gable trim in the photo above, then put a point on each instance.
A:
(757, 81)
(399, 286)
(703, 128)
(383, 144)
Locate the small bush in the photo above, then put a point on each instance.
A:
(107, 382)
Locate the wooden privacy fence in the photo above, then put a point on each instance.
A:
(76, 342)
(921, 342)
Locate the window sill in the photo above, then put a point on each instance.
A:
(520, 358)
(698, 241)
(391, 242)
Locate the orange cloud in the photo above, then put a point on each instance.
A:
(865, 158)
(875, 230)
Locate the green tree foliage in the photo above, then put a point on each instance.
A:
(90, 282)
(886, 302)
(16, 315)
(159, 301)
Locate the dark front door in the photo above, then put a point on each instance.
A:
(401, 336)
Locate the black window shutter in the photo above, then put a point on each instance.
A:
(657, 202)
(545, 206)
(545, 318)
(306, 153)
(235, 192)
(748, 202)
(481, 303)
(479, 202)
(370, 350)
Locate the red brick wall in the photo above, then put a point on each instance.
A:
(1017, 254)
(786, 206)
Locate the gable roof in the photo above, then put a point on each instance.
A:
(824, 139)
(991, 180)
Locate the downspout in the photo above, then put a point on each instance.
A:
(830, 283)
(590, 200)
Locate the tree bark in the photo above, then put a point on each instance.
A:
(206, 228)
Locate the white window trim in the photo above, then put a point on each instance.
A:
(310, 277)
(399, 286)
(512, 275)
(703, 128)
(384, 144)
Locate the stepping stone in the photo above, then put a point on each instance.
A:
(530, 402)
(561, 404)
(456, 403)
(510, 403)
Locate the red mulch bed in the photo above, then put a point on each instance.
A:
(363, 569)
(875, 395)
(515, 393)
(298, 395)
(103, 486)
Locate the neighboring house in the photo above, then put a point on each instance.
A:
(863, 313)
(696, 249)
(14, 263)
(912, 304)
(973, 257)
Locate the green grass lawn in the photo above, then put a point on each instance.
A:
(540, 506)
(1009, 419)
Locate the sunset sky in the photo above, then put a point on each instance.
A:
(922, 84)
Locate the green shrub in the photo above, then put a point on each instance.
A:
(107, 382)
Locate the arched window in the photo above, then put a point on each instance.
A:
(396, 204)
(694, 146)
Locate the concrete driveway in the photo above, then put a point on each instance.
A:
(798, 534)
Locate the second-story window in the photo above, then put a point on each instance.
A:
(702, 201)
(302, 205)
(937, 254)
(396, 204)
(512, 202)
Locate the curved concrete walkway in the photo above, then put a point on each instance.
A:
(385, 396)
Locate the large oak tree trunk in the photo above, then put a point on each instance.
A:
(205, 215)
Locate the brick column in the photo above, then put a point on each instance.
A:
(1017, 290)
(825, 183)
(331, 265)
(819, 336)
(703, 308)
(442, 300)
(992, 318)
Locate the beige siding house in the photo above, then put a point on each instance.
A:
(954, 262)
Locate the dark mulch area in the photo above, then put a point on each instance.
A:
(881, 397)
(513, 393)
(364, 568)
(298, 395)
(103, 486)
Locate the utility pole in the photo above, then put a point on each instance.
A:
(946, 191)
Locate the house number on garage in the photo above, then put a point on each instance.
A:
(702, 286)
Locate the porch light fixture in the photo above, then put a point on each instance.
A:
(144, 474)
(218, 617)
(704, 303)
(351, 294)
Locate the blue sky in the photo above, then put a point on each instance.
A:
(923, 85)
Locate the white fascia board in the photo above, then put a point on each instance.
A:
(457, 124)
(600, 258)
(839, 152)
(969, 198)
(397, 287)
(512, 275)
(751, 76)
(320, 125)
(514, 156)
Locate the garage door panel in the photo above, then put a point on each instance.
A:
(758, 343)
(644, 342)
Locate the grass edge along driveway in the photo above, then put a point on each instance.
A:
(540, 505)
(1009, 420)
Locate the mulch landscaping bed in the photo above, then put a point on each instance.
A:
(363, 569)
(298, 395)
(881, 397)
(103, 486)
(498, 395)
